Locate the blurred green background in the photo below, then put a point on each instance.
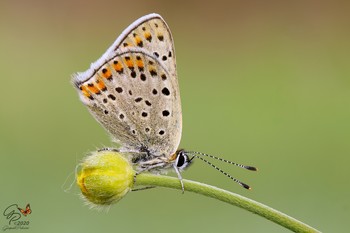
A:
(264, 83)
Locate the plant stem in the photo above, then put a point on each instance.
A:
(228, 197)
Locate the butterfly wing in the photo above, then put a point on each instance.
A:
(150, 33)
(132, 90)
(153, 35)
(28, 209)
(22, 211)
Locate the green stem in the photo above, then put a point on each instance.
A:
(228, 197)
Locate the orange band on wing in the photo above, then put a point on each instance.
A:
(148, 36)
(85, 91)
(118, 67)
(138, 41)
(91, 87)
(129, 62)
(101, 85)
(139, 63)
(106, 73)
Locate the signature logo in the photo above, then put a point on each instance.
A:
(13, 214)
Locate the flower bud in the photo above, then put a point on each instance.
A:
(105, 177)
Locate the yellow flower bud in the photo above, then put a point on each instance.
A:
(105, 177)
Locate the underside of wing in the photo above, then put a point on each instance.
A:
(150, 33)
(137, 100)
(132, 90)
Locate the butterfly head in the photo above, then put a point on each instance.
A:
(182, 160)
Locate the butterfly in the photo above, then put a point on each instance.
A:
(27, 211)
(133, 92)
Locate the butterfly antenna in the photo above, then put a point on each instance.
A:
(250, 168)
(223, 172)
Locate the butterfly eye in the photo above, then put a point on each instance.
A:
(182, 160)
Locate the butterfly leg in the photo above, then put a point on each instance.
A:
(143, 188)
(180, 178)
(147, 168)
(108, 149)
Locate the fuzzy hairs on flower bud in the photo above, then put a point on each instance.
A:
(105, 177)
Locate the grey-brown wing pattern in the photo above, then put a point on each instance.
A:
(153, 35)
(132, 90)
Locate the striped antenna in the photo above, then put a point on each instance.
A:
(198, 155)
(250, 168)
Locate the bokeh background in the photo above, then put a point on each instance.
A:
(264, 83)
